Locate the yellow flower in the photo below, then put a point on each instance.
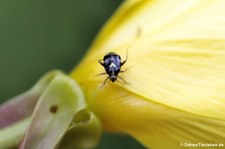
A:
(176, 73)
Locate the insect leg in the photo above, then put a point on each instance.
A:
(105, 81)
(122, 79)
(122, 71)
(100, 61)
(101, 73)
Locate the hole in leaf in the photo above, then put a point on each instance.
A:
(82, 116)
(53, 109)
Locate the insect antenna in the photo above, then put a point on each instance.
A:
(123, 62)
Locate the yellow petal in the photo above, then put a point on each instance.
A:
(176, 75)
(153, 124)
(182, 65)
(185, 74)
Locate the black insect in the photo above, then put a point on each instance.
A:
(112, 64)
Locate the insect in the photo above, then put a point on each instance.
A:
(112, 64)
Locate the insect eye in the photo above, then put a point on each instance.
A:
(106, 57)
(118, 58)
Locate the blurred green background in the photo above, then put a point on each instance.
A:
(40, 35)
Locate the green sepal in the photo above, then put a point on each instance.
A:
(11, 136)
(16, 112)
(60, 109)
(22, 106)
(85, 131)
(54, 113)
